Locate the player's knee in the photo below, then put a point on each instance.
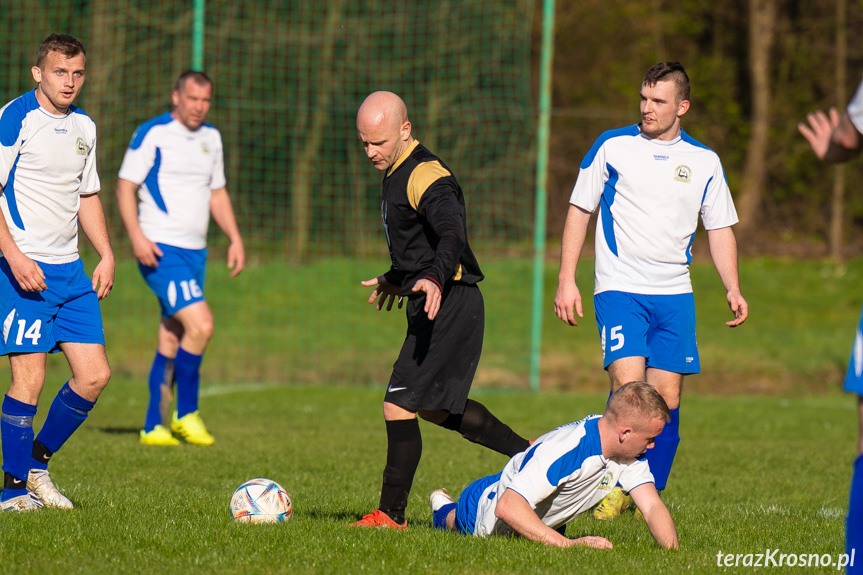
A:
(95, 380)
(452, 422)
(200, 331)
(102, 377)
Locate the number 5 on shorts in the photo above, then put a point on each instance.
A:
(616, 338)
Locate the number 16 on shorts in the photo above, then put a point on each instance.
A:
(190, 291)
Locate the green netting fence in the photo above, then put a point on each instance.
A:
(289, 77)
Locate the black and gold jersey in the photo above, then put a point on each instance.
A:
(423, 211)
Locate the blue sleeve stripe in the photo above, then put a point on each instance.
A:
(468, 501)
(141, 132)
(692, 237)
(152, 182)
(9, 192)
(572, 461)
(530, 453)
(591, 154)
(690, 140)
(77, 110)
(605, 202)
(13, 117)
(707, 187)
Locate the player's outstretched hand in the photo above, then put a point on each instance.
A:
(739, 307)
(27, 273)
(591, 541)
(433, 296)
(384, 293)
(820, 130)
(567, 303)
(146, 252)
(103, 277)
(236, 258)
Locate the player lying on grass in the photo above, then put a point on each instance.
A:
(565, 473)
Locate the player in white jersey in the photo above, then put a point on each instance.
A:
(48, 188)
(176, 165)
(650, 181)
(838, 138)
(567, 471)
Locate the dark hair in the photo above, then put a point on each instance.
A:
(200, 78)
(669, 71)
(67, 45)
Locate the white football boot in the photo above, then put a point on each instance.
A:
(439, 498)
(27, 502)
(39, 483)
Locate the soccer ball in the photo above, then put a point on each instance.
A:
(261, 501)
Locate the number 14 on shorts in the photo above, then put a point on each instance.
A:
(33, 333)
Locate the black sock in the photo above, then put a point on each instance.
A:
(477, 424)
(404, 448)
(12, 482)
(40, 452)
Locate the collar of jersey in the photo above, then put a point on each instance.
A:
(403, 157)
(661, 142)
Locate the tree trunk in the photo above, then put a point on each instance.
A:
(762, 25)
(837, 203)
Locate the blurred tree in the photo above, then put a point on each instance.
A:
(837, 210)
(762, 26)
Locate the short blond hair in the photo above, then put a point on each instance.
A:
(636, 402)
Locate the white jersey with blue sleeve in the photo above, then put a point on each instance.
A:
(176, 169)
(47, 162)
(855, 109)
(650, 193)
(562, 475)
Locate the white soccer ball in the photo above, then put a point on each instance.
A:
(261, 501)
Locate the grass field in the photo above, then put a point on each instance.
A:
(292, 389)
(753, 474)
(310, 325)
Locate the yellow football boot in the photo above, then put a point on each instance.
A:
(159, 436)
(613, 505)
(192, 429)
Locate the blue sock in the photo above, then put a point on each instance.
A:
(68, 411)
(187, 371)
(161, 372)
(661, 456)
(439, 517)
(16, 428)
(854, 521)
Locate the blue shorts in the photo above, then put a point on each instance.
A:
(854, 375)
(178, 280)
(36, 322)
(659, 328)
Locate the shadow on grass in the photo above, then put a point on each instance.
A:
(340, 516)
(120, 430)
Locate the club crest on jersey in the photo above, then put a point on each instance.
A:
(81, 147)
(205, 148)
(682, 174)
(606, 482)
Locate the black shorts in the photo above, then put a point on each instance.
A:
(437, 362)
